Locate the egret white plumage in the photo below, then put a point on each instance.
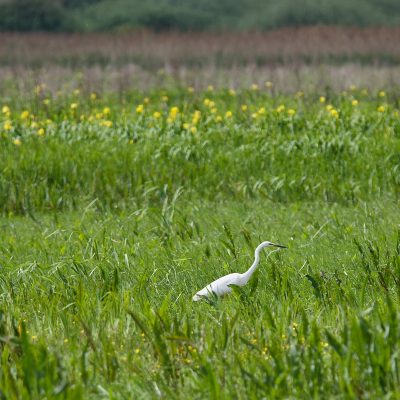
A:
(221, 286)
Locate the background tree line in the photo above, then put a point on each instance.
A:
(117, 15)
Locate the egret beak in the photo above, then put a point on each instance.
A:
(278, 245)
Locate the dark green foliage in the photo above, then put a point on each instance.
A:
(98, 15)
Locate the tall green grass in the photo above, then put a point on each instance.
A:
(107, 232)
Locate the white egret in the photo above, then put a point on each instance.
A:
(221, 286)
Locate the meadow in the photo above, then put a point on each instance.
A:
(116, 207)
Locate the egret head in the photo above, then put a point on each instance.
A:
(267, 244)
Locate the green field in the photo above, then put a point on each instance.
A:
(116, 210)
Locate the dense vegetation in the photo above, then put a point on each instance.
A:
(99, 15)
(116, 210)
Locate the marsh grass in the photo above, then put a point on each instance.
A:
(108, 231)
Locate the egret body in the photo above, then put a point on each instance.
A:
(221, 286)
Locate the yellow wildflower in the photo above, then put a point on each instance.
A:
(164, 98)
(6, 110)
(244, 107)
(190, 89)
(322, 99)
(7, 125)
(381, 94)
(146, 100)
(108, 123)
(213, 110)
(193, 129)
(196, 117)
(228, 114)
(140, 109)
(206, 102)
(25, 114)
(186, 126)
(268, 84)
(381, 109)
(106, 110)
(254, 86)
(218, 118)
(291, 111)
(262, 111)
(354, 103)
(329, 107)
(280, 108)
(17, 142)
(40, 132)
(232, 92)
(46, 102)
(334, 113)
(34, 125)
(77, 92)
(156, 114)
(210, 88)
(173, 112)
(74, 106)
(93, 96)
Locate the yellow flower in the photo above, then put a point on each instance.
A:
(268, 84)
(173, 112)
(353, 88)
(99, 115)
(93, 96)
(156, 114)
(244, 107)
(218, 118)
(291, 111)
(322, 99)
(77, 92)
(46, 102)
(193, 129)
(190, 89)
(381, 94)
(5, 110)
(213, 110)
(17, 142)
(7, 125)
(74, 106)
(299, 94)
(206, 102)
(40, 132)
(211, 104)
(146, 100)
(106, 110)
(381, 109)
(354, 103)
(107, 123)
(196, 117)
(254, 115)
(329, 107)
(334, 113)
(48, 121)
(210, 88)
(34, 125)
(139, 109)
(262, 111)
(186, 126)
(164, 98)
(25, 114)
(232, 92)
(228, 114)
(254, 86)
(280, 108)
